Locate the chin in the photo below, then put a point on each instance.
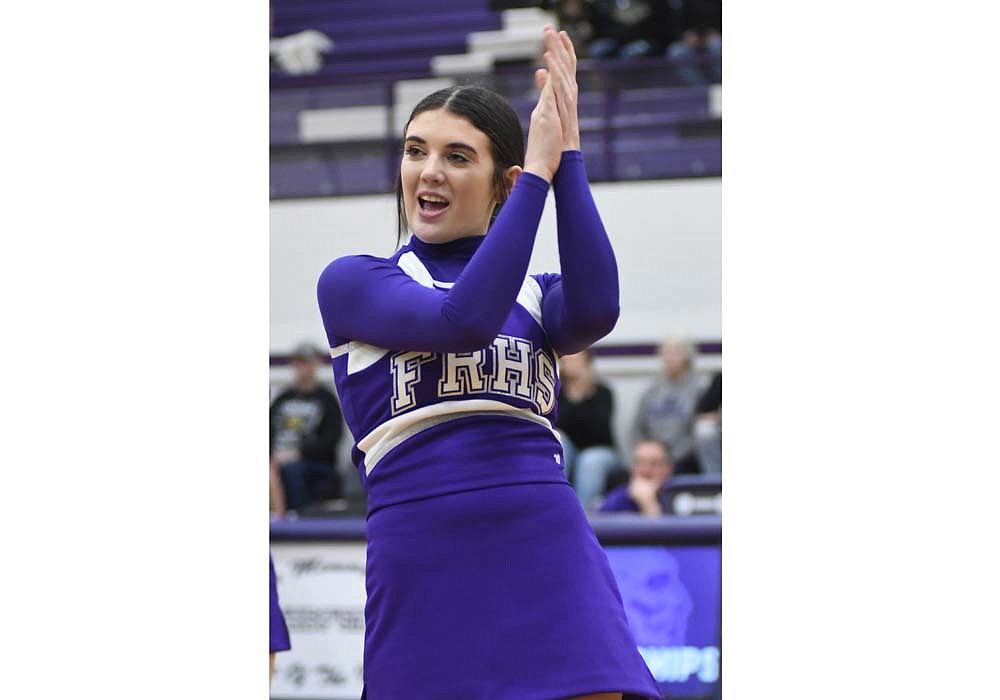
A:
(429, 234)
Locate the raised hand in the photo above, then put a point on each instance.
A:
(560, 57)
(545, 135)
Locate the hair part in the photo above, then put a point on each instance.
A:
(491, 114)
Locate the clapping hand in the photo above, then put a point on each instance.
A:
(560, 57)
(554, 126)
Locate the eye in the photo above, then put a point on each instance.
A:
(412, 151)
(458, 158)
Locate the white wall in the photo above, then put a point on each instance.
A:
(666, 235)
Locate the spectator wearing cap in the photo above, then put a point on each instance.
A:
(306, 425)
(650, 470)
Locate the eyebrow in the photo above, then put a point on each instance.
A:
(453, 144)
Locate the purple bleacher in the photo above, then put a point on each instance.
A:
(380, 39)
(375, 93)
(305, 178)
(358, 47)
(664, 99)
(334, 67)
(338, 28)
(292, 17)
(285, 108)
(284, 129)
(361, 175)
(663, 157)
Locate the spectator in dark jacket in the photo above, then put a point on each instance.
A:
(630, 28)
(701, 35)
(584, 423)
(708, 427)
(306, 425)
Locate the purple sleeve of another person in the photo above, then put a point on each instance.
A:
(580, 306)
(372, 300)
(279, 630)
(618, 500)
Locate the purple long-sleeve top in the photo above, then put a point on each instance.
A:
(444, 355)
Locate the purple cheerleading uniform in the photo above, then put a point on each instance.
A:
(484, 579)
(279, 630)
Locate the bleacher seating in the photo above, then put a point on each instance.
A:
(385, 38)
(332, 132)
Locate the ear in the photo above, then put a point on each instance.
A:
(513, 172)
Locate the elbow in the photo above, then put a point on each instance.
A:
(608, 318)
(601, 320)
(585, 332)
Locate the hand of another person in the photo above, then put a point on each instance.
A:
(644, 493)
(545, 138)
(560, 57)
(286, 456)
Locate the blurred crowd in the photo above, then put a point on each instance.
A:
(624, 29)
(674, 435)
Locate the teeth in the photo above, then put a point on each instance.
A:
(433, 198)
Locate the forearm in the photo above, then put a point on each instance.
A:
(589, 283)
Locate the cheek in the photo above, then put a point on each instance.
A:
(409, 178)
(482, 195)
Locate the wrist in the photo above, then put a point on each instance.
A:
(539, 171)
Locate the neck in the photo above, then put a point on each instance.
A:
(462, 248)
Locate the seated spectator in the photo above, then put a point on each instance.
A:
(629, 28)
(701, 35)
(306, 425)
(667, 409)
(584, 423)
(649, 473)
(708, 427)
(573, 18)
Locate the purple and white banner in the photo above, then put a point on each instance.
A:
(321, 588)
(672, 601)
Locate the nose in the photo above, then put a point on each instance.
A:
(432, 171)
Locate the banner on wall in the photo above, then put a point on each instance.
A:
(671, 597)
(321, 588)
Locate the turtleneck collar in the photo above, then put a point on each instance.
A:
(460, 248)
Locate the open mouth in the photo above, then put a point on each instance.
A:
(432, 204)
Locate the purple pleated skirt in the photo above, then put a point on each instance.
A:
(498, 593)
